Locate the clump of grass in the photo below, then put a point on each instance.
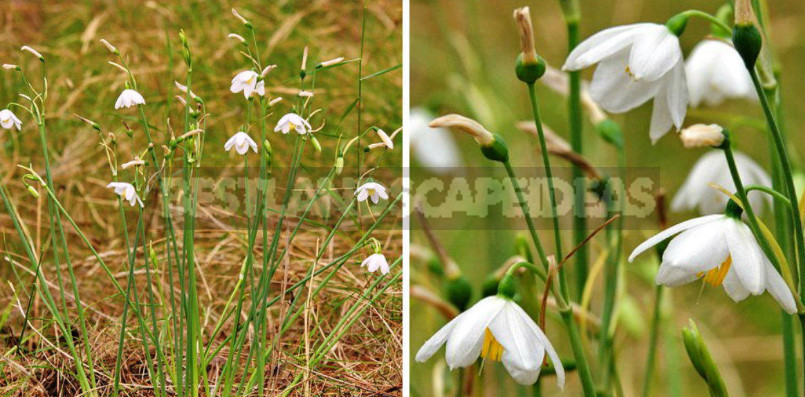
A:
(175, 297)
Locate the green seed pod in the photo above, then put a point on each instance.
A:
(497, 150)
(316, 144)
(747, 41)
(459, 292)
(267, 152)
(339, 164)
(33, 191)
(529, 72)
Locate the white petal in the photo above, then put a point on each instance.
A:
(661, 120)
(522, 351)
(557, 362)
(779, 289)
(677, 94)
(363, 194)
(602, 45)
(698, 249)
(229, 143)
(747, 257)
(659, 237)
(466, 340)
(615, 90)
(436, 341)
(672, 276)
(375, 197)
(733, 287)
(654, 53)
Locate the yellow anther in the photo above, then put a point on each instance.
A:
(492, 349)
(716, 275)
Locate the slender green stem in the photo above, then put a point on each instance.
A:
(708, 17)
(527, 215)
(586, 377)
(546, 163)
(787, 180)
(652, 342)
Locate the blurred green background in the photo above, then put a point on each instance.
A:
(462, 56)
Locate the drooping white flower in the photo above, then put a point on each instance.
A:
(375, 262)
(712, 168)
(719, 249)
(247, 81)
(434, 148)
(635, 64)
(716, 72)
(241, 141)
(385, 138)
(8, 120)
(129, 98)
(372, 190)
(292, 122)
(497, 329)
(127, 191)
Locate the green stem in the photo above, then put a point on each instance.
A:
(527, 215)
(708, 17)
(546, 163)
(652, 344)
(587, 384)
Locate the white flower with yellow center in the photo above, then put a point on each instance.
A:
(8, 120)
(249, 82)
(716, 72)
(292, 122)
(241, 141)
(720, 249)
(376, 262)
(127, 191)
(635, 64)
(129, 98)
(372, 190)
(712, 168)
(497, 329)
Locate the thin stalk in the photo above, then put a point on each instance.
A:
(526, 214)
(546, 162)
(652, 342)
(586, 377)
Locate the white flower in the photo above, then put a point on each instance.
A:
(434, 148)
(291, 122)
(375, 262)
(372, 190)
(716, 72)
(385, 138)
(242, 142)
(127, 191)
(247, 81)
(129, 98)
(719, 249)
(712, 168)
(635, 64)
(495, 328)
(8, 120)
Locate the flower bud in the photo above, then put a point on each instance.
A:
(305, 94)
(339, 164)
(302, 72)
(275, 101)
(331, 62)
(529, 66)
(702, 360)
(267, 152)
(748, 42)
(458, 291)
(492, 145)
(33, 191)
(34, 52)
(8, 66)
(611, 132)
(267, 69)
(316, 144)
(237, 37)
(110, 47)
(701, 135)
(241, 18)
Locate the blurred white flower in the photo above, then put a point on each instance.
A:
(719, 249)
(716, 72)
(696, 192)
(331, 62)
(127, 191)
(496, 329)
(305, 94)
(129, 98)
(241, 141)
(292, 122)
(133, 163)
(635, 64)
(8, 120)
(34, 52)
(247, 81)
(372, 190)
(375, 262)
(434, 148)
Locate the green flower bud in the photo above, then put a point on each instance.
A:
(339, 164)
(611, 132)
(316, 144)
(459, 292)
(702, 360)
(267, 152)
(33, 191)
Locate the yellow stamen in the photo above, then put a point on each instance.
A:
(629, 72)
(492, 349)
(715, 276)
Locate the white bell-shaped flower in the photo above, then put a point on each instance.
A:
(241, 141)
(376, 262)
(249, 82)
(129, 98)
(292, 122)
(8, 120)
(127, 191)
(716, 72)
(372, 190)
